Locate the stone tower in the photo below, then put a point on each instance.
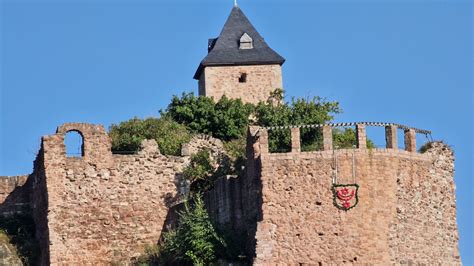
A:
(239, 63)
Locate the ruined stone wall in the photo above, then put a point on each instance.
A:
(424, 229)
(234, 202)
(406, 210)
(26, 196)
(8, 254)
(204, 142)
(224, 80)
(14, 195)
(104, 208)
(224, 202)
(39, 205)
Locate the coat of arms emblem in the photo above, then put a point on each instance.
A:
(345, 196)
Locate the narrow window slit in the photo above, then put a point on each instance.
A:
(243, 78)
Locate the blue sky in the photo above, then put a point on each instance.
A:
(407, 62)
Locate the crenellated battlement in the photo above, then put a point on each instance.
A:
(391, 138)
(400, 192)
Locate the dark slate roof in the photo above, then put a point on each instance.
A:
(225, 50)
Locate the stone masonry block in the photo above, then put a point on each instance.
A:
(410, 140)
(391, 137)
(327, 138)
(295, 140)
(361, 136)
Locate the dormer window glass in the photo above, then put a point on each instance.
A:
(246, 42)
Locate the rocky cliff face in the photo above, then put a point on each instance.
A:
(8, 255)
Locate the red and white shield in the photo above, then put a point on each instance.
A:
(345, 196)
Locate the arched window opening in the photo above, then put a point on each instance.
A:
(74, 144)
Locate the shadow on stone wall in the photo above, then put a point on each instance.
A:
(16, 220)
(17, 190)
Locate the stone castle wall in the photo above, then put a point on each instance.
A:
(261, 80)
(97, 208)
(234, 203)
(14, 195)
(283, 207)
(406, 211)
(102, 208)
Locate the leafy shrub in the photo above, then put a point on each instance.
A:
(195, 239)
(236, 150)
(299, 111)
(425, 147)
(227, 119)
(170, 135)
(344, 138)
(347, 138)
(199, 171)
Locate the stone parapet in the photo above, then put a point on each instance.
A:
(361, 136)
(391, 137)
(410, 140)
(295, 140)
(327, 138)
(300, 224)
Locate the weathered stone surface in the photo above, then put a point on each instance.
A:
(204, 142)
(14, 195)
(103, 208)
(406, 211)
(8, 255)
(224, 80)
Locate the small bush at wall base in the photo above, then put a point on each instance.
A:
(194, 240)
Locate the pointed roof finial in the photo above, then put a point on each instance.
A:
(235, 2)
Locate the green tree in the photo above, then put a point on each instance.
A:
(194, 239)
(227, 119)
(346, 138)
(299, 111)
(170, 135)
(199, 171)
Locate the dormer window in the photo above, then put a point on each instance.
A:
(246, 42)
